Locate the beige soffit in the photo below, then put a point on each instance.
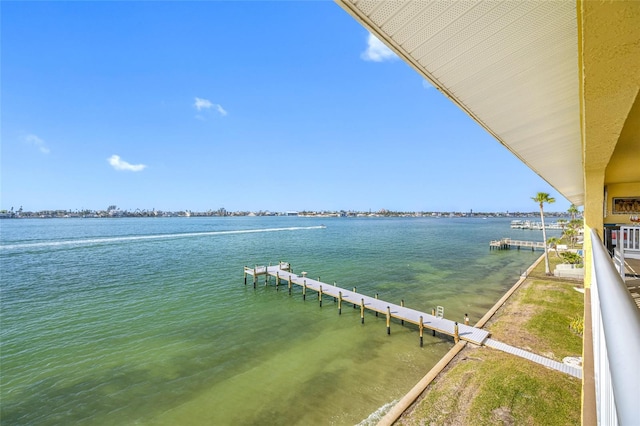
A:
(511, 65)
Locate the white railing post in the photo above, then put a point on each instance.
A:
(630, 238)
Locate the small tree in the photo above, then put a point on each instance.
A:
(571, 234)
(541, 198)
(571, 257)
(563, 224)
(553, 243)
(572, 231)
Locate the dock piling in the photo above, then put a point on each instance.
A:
(361, 311)
(304, 290)
(339, 303)
(320, 296)
(433, 313)
(402, 304)
(421, 327)
(466, 319)
(388, 320)
(456, 335)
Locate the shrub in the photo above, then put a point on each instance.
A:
(572, 258)
(577, 324)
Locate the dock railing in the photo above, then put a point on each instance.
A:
(616, 342)
(506, 243)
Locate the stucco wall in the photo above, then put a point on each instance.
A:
(610, 59)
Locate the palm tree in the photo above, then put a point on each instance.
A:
(573, 211)
(541, 198)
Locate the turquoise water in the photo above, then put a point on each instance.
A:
(147, 321)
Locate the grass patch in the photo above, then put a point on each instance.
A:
(489, 387)
(446, 399)
(538, 271)
(538, 317)
(557, 305)
(515, 391)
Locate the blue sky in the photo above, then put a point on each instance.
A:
(244, 105)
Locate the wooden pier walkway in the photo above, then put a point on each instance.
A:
(436, 323)
(507, 243)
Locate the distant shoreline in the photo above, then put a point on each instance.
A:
(160, 214)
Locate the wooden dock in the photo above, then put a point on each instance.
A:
(508, 243)
(434, 321)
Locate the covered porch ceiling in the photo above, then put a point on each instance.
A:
(513, 66)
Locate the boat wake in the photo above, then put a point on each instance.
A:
(109, 240)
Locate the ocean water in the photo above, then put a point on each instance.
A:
(148, 321)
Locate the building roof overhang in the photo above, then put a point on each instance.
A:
(512, 66)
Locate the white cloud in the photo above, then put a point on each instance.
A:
(377, 51)
(38, 143)
(201, 104)
(119, 164)
(220, 109)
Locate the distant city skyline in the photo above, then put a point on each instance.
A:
(115, 211)
(199, 104)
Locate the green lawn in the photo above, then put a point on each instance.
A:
(489, 387)
(551, 322)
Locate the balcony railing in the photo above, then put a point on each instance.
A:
(627, 246)
(630, 238)
(616, 342)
